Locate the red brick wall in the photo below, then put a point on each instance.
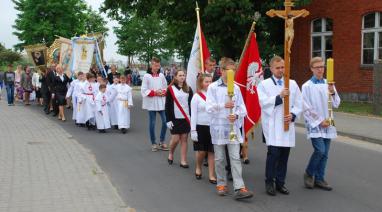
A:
(347, 24)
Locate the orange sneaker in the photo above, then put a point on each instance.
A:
(222, 190)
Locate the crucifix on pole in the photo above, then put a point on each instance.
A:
(288, 15)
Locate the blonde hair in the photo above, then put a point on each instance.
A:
(225, 62)
(201, 78)
(275, 59)
(315, 60)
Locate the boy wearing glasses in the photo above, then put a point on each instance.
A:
(315, 93)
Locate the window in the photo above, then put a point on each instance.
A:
(371, 38)
(322, 36)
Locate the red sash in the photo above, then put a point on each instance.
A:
(202, 95)
(178, 104)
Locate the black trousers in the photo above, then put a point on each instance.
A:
(276, 165)
(55, 104)
(46, 97)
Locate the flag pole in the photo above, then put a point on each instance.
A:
(200, 38)
(244, 150)
(247, 41)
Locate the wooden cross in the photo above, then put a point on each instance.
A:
(288, 15)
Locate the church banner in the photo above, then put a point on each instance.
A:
(83, 52)
(66, 54)
(38, 54)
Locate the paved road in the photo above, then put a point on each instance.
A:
(146, 182)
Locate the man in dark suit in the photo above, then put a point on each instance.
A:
(50, 79)
(209, 67)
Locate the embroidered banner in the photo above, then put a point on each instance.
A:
(82, 55)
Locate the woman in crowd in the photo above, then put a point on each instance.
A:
(200, 129)
(60, 88)
(19, 90)
(178, 99)
(36, 83)
(26, 84)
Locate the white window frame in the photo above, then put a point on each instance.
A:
(323, 33)
(376, 30)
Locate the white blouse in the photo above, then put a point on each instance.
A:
(199, 115)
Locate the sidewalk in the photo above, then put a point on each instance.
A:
(42, 168)
(357, 127)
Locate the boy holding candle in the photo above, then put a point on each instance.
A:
(218, 106)
(316, 93)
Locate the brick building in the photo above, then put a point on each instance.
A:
(350, 31)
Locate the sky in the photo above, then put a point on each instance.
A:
(8, 16)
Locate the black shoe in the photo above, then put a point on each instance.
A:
(123, 130)
(55, 114)
(246, 161)
(170, 161)
(185, 166)
(229, 176)
(270, 188)
(47, 112)
(198, 176)
(102, 131)
(282, 189)
(213, 181)
(116, 127)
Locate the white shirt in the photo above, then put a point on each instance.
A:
(36, 80)
(315, 98)
(272, 117)
(182, 98)
(199, 115)
(150, 83)
(217, 97)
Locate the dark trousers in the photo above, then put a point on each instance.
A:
(276, 165)
(55, 104)
(46, 97)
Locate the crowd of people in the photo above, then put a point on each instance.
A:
(207, 114)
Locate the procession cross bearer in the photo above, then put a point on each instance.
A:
(288, 15)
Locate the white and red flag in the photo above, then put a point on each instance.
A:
(248, 76)
(197, 58)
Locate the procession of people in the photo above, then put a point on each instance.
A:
(207, 116)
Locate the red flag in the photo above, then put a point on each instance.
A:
(248, 76)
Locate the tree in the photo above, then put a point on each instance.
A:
(7, 56)
(39, 21)
(225, 23)
(143, 37)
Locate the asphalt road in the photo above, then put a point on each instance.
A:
(146, 182)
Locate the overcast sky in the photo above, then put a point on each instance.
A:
(8, 16)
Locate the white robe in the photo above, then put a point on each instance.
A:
(149, 83)
(86, 110)
(124, 102)
(102, 111)
(73, 92)
(272, 117)
(216, 99)
(315, 98)
(112, 93)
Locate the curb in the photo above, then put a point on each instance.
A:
(354, 136)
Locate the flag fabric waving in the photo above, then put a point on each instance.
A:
(248, 76)
(194, 63)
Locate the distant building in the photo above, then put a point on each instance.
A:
(350, 31)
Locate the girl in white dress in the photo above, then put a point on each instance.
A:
(86, 107)
(102, 110)
(124, 103)
(112, 93)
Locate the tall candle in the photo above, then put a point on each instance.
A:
(230, 81)
(330, 70)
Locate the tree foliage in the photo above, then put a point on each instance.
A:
(225, 23)
(7, 56)
(39, 21)
(144, 37)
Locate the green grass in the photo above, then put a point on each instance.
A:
(365, 109)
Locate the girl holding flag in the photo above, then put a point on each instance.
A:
(177, 108)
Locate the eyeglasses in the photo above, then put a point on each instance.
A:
(318, 67)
